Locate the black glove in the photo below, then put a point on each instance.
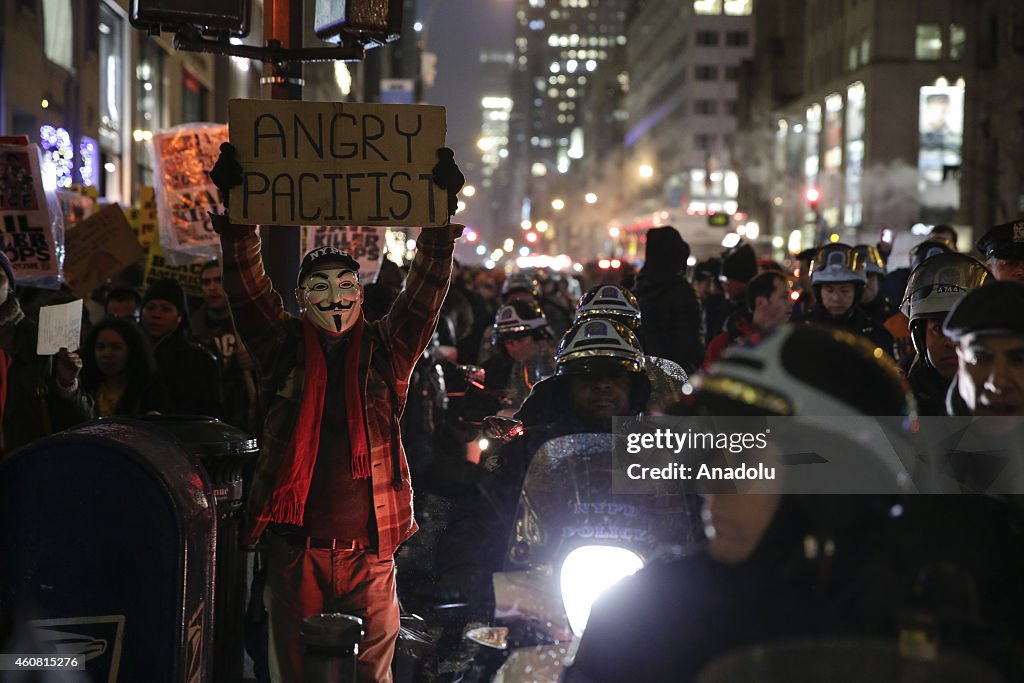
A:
(447, 176)
(227, 172)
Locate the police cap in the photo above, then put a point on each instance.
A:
(1004, 241)
(991, 309)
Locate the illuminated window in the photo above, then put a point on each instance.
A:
(738, 8)
(58, 35)
(707, 6)
(865, 47)
(957, 41)
(929, 41)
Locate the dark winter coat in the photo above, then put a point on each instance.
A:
(671, 320)
(190, 376)
(35, 406)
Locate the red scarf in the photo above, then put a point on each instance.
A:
(288, 502)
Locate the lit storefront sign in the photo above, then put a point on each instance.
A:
(855, 98)
(941, 129)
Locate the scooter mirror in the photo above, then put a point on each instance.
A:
(473, 374)
(502, 428)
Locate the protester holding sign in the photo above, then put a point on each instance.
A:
(39, 395)
(332, 488)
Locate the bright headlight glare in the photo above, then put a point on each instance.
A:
(587, 572)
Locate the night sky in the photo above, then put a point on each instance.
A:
(459, 30)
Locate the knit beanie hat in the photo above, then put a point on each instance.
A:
(740, 263)
(666, 250)
(167, 289)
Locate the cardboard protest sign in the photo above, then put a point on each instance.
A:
(365, 244)
(30, 221)
(182, 159)
(187, 275)
(60, 327)
(337, 163)
(97, 248)
(142, 218)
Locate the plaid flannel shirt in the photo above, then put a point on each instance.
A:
(274, 339)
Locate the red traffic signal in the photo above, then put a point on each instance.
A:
(812, 194)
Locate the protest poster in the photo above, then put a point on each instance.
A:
(142, 218)
(365, 244)
(31, 225)
(182, 159)
(187, 275)
(337, 163)
(60, 327)
(97, 248)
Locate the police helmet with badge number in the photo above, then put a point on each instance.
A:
(614, 302)
(934, 288)
(520, 319)
(604, 346)
(836, 263)
(806, 370)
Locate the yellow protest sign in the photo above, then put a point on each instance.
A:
(143, 218)
(337, 163)
(187, 275)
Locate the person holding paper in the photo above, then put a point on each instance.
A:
(332, 490)
(39, 395)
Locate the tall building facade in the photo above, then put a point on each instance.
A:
(559, 44)
(684, 61)
(496, 112)
(895, 113)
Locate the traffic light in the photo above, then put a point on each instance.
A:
(813, 196)
(718, 220)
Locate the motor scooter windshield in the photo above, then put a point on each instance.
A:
(567, 502)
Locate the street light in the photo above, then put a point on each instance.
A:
(646, 171)
(542, 226)
(557, 204)
(590, 198)
(468, 191)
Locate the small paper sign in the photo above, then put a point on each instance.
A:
(60, 327)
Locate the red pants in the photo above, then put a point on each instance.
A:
(304, 582)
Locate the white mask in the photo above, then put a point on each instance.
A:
(331, 297)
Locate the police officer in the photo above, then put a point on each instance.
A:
(1003, 248)
(988, 328)
(871, 299)
(618, 304)
(838, 276)
(600, 374)
(933, 289)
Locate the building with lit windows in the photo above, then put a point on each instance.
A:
(895, 113)
(558, 46)
(684, 63)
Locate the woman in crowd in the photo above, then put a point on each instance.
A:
(119, 371)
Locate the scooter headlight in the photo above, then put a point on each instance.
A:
(587, 572)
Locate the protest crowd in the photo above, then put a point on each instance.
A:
(381, 389)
